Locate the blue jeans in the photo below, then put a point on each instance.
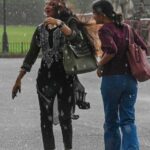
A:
(119, 94)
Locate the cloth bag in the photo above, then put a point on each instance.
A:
(137, 58)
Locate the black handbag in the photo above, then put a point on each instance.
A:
(77, 61)
(78, 57)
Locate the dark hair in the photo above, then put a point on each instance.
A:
(63, 12)
(105, 7)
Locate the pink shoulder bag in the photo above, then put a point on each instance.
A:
(137, 58)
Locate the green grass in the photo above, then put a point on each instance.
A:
(18, 33)
(19, 38)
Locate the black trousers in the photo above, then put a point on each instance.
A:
(60, 85)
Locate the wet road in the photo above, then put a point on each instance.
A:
(20, 121)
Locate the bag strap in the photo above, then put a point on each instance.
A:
(70, 19)
(130, 35)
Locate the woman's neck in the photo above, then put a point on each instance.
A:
(107, 20)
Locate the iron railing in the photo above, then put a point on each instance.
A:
(17, 47)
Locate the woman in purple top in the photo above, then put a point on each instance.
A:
(118, 87)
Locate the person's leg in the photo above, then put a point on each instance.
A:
(65, 106)
(46, 99)
(127, 116)
(46, 114)
(111, 89)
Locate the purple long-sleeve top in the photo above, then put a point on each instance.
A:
(115, 40)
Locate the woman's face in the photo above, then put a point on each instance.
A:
(98, 17)
(50, 8)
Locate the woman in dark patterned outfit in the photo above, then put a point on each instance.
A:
(52, 80)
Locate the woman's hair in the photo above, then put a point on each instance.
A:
(105, 7)
(63, 11)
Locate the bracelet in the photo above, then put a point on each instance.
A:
(61, 25)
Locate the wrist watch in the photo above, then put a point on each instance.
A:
(61, 24)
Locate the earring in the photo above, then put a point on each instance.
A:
(58, 12)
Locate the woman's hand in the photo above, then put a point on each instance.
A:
(52, 21)
(99, 71)
(63, 27)
(16, 88)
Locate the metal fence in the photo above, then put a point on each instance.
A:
(17, 47)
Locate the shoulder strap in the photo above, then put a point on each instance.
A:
(130, 33)
(70, 19)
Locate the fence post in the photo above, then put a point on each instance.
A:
(5, 46)
(21, 47)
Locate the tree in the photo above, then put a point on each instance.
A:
(82, 5)
(23, 11)
(30, 12)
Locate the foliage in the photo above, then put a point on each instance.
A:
(22, 11)
(82, 5)
(30, 12)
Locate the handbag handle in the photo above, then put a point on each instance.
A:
(131, 42)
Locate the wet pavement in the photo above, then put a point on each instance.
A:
(20, 120)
